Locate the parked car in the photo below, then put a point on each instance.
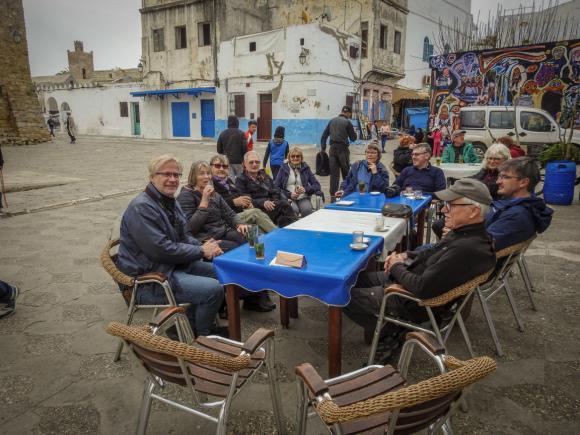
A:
(535, 128)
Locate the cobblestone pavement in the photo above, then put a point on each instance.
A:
(56, 370)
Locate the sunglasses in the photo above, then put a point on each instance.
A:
(296, 157)
(220, 165)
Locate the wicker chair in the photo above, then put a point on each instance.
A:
(376, 399)
(212, 369)
(460, 294)
(507, 258)
(130, 286)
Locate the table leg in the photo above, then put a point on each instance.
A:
(233, 304)
(293, 307)
(284, 312)
(421, 226)
(334, 341)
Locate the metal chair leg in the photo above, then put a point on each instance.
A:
(510, 296)
(377, 333)
(302, 414)
(225, 411)
(145, 410)
(130, 314)
(527, 282)
(274, 388)
(490, 324)
(527, 271)
(465, 335)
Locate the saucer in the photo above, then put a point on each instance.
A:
(359, 246)
(382, 230)
(375, 193)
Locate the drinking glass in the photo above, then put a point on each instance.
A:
(358, 237)
(260, 249)
(380, 223)
(438, 161)
(408, 191)
(361, 187)
(252, 235)
(418, 194)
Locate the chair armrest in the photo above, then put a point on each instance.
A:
(152, 276)
(312, 379)
(398, 289)
(165, 315)
(257, 339)
(429, 342)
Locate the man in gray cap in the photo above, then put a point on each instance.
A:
(340, 131)
(459, 151)
(463, 254)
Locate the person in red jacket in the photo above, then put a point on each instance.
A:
(515, 150)
(252, 126)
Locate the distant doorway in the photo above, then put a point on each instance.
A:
(180, 119)
(265, 118)
(136, 117)
(207, 118)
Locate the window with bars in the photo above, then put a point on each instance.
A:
(397, 45)
(238, 105)
(364, 36)
(203, 34)
(180, 37)
(124, 109)
(158, 40)
(383, 37)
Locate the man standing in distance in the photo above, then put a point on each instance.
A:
(252, 126)
(341, 133)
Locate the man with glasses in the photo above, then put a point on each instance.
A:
(465, 253)
(154, 238)
(238, 202)
(422, 175)
(255, 183)
(520, 213)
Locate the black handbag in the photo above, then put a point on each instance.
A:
(397, 210)
(322, 164)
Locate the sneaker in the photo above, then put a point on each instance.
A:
(9, 307)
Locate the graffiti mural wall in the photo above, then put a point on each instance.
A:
(544, 76)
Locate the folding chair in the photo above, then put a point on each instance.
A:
(525, 273)
(507, 258)
(213, 369)
(130, 286)
(460, 295)
(376, 399)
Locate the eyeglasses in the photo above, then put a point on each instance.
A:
(508, 177)
(170, 174)
(450, 205)
(220, 165)
(417, 154)
(296, 157)
(254, 162)
(371, 152)
(494, 158)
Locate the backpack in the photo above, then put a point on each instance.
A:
(322, 164)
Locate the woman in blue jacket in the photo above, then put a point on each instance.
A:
(297, 182)
(277, 151)
(370, 171)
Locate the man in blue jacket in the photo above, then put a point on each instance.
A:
(422, 175)
(520, 213)
(154, 238)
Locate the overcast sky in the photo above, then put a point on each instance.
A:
(112, 30)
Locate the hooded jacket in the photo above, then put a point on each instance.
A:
(378, 182)
(232, 142)
(516, 220)
(309, 181)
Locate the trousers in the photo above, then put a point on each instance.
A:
(339, 162)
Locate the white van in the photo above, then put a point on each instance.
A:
(535, 127)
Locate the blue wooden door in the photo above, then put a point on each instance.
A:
(180, 119)
(207, 118)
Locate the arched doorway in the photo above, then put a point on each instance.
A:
(52, 106)
(64, 111)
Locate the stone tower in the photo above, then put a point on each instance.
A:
(80, 64)
(21, 120)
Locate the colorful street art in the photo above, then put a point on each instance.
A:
(544, 76)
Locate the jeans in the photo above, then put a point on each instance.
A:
(196, 284)
(255, 216)
(339, 162)
(383, 141)
(275, 169)
(303, 206)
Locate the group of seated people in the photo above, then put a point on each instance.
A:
(179, 235)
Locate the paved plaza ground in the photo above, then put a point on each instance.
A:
(56, 369)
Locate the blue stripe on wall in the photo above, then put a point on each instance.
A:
(298, 131)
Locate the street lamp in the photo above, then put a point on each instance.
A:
(303, 54)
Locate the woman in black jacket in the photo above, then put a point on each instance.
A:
(297, 182)
(494, 156)
(208, 215)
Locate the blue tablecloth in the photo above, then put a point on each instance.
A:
(332, 266)
(375, 203)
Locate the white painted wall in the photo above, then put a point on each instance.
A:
(96, 109)
(423, 21)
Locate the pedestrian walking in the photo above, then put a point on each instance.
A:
(341, 133)
(232, 142)
(71, 128)
(385, 132)
(252, 127)
(51, 126)
(277, 151)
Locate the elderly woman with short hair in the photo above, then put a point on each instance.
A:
(369, 171)
(207, 213)
(494, 156)
(296, 180)
(154, 238)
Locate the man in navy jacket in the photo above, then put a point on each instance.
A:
(520, 213)
(422, 175)
(154, 238)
